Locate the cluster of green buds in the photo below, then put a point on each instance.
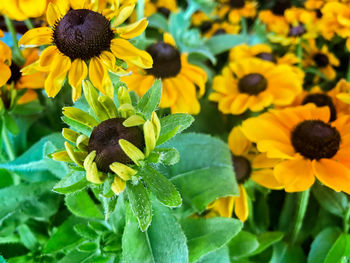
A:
(117, 143)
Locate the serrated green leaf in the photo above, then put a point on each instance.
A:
(64, 236)
(331, 201)
(206, 235)
(77, 256)
(168, 156)
(72, 182)
(160, 186)
(220, 255)
(76, 126)
(163, 241)
(221, 43)
(81, 204)
(267, 239)
(27, 237)
(98, 226)
(338, 250)
(149, 102)
(158, 21)
(85, 231)
(204, 172)
(140, 204)
(283, 253)
(243, 245)
(117, 218)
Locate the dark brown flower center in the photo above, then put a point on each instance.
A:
(105, 138)
(321, 60)
(164, 11)
(266, 56)
(315, 139)
(252, 84)
(320, 100)
(236, 4)
(242, 168)
(166, 60)
(83, 34)
(205, 26)
(220, 31)
(16, 73)
(297, 31)
(280, 6)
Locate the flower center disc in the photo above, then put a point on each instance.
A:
(16, 73)
(315, 139)
(166, 60)
(321, 60)
(252, 84)
(297, 31)
(281, 6)
(266, 56)
(105, 138)
(242, 168)
(83, 34)
(321, 100)
(237, 3)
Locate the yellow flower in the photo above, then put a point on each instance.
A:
(309, 147)
(247, 165)
(23, 9)
(5, 61)
(274, 18)
(218, 28)
(164, 7)
(254, 84)
(116, 144)
(320, 58)
(82, 43)
(236, 9)
(179, 78)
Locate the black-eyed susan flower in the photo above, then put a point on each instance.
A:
(254, 84)
(179, 78)
(23, 9)
(163, 7)
(82, 43)
(274, 18)
(308, 145)
(218, 28)
(320, 58)
(236, 9)
(247, 165)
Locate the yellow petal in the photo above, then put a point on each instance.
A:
(48, 57)
(76, 75)
(92, 174)
(237, 142)
(150, 137)
(118, 185)
(131, 151)
(76, 157)
(61, 156)
(156, 124)
(123, 13)
(109, 106)
(167, 38)
(123, 171)
(34, 8)
(5, 73)
(91, 96)
(80, 116)
(132, 30)
(52, 14)
(122, 49)
(55, 79)
(223, 206)
(134, 120)
(241, 204)
(97, 73)
(36, 37)
(70, 135)
(266, 178)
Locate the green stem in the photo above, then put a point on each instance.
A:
(28, 23)
(348, 73)
(244, 26)
(17, 52)
(190, 10)
(303, 200)
(346, 220)
(9, 149)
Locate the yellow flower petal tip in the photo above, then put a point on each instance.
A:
(118, 185)
(123, 171)
(131, 151)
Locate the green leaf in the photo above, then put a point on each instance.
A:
(88, 247)
(27, 237)
(72, 182)
(172, 125)
(243, 245)
(10, 124)
(34, 199)
(207, 235)
(283, 253)
(63, 237)
(78, 256)
(160, 186)
(98, 226)
(76, 126)
(158, 21)
(339, 249)
(331, 201)
(267, 239)
(221, 43)
(117, 218)
(85, 231)
(149, 102)
(163, 241)
(322, 244)
(34, 165)
(204, 172)
(218, 256)
(30, 108)
(6, 178)
(2, 260)
(81, 204)
(140, 204)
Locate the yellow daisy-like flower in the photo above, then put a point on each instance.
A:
(320, 58)
(342, 91)
(274, 18)
(23, 9)
(119, 138)
(235, 9)
(307, 144)
(82, 43)
(265, 52)
(217, 28)
(5, 61)
(247, 165)
(162, 6)
(254, 84)
(302, 24)
(179, 78)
